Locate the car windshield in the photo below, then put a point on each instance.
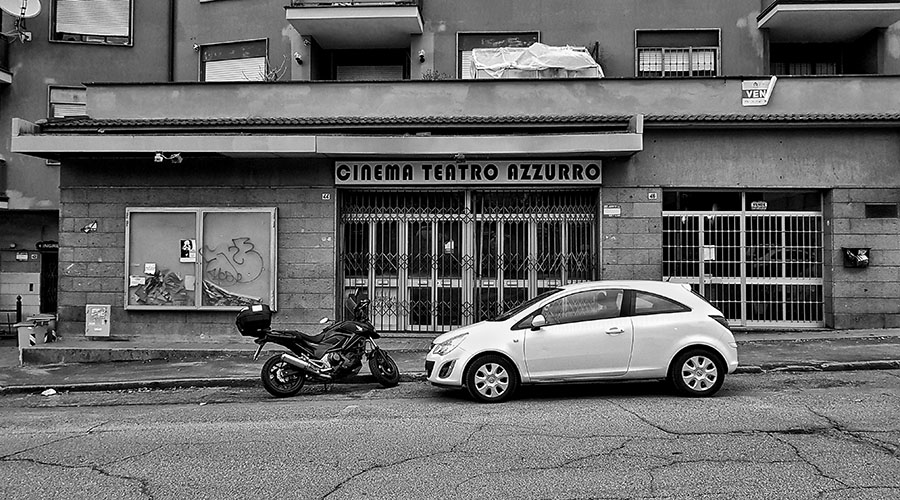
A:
(509, 313)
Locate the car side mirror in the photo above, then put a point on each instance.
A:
(538, 321)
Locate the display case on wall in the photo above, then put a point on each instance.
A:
(200, 258)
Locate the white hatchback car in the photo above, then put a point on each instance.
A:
(595, 331)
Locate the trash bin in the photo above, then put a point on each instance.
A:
(46, 322)
(30, 334)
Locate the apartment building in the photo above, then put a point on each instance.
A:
(213, 153)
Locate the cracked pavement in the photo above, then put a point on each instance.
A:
(822, 436)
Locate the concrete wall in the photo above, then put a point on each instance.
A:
(92, 266)
(865, 297)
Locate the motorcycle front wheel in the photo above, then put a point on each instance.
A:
(280, 378)
(384, 369)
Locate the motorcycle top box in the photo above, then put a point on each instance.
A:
(254, 320)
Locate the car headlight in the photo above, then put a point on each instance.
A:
(448, 345)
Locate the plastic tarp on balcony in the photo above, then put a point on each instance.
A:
(536, 61)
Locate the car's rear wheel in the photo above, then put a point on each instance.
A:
(697, 373)
(491, 379)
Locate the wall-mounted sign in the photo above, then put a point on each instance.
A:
(46, 245)
(441, 173)
(758, 205)
(22, 256)
(612, 210)
(757, 92)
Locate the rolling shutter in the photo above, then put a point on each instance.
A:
(235, 70)
(465, 65)
(369, 73)
(94, 17)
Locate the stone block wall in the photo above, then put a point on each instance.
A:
(92, 265)
(631, 243)
(865, 297)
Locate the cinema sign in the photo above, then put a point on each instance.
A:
(390, 173)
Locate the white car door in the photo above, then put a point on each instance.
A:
(584, 337)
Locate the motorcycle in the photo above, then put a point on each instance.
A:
(334, 353)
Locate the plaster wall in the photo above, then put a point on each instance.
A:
(792, 95)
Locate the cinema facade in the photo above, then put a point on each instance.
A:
(446, 202)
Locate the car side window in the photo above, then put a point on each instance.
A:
(648, 303)
(584, 306)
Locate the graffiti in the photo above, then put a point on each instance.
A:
(239, 262)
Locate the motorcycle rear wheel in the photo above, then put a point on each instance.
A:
(281, 378)
(384, 369)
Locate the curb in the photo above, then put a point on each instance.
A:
(179, 383)
(825, 366)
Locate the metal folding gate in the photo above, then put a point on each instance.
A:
(433, 261)
(760, 269)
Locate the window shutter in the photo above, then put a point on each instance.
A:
(369, 73)
(94, 17)
(235, 70)
(704, 60)
(62, 110)
(465, 65)
(649, 61)
(676, 61)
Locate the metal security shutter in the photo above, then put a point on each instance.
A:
(94, 17)
(369, 73)
(235, 70)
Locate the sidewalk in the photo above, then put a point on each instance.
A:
(121, 365)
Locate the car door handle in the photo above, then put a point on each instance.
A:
(614, 331)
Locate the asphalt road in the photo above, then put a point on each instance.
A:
(830, 435)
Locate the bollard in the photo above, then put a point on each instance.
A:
(18, 309)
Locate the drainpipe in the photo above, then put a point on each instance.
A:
(171, 76)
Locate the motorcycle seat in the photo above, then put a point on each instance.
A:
(309, 337)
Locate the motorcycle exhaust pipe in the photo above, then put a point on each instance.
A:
(303, 364)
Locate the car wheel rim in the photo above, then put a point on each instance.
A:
(491, 380)
(699, 373)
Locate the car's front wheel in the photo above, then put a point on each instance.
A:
(491, 379)
(697, 373)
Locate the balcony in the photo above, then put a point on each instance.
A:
(825, 21)
(356, 24)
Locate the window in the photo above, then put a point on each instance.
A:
(676, 53)
(465, 42)
(647, 303)
(584, 306)
(233, 61)
(881, 210)
(199, 258)
(106, 22)
(66, 101)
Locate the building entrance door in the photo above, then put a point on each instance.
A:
(759, 262)
(433, 261)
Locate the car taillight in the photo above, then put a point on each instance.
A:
(721, 320)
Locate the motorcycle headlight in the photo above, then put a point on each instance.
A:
(448, 345)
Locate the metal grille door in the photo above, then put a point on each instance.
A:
(759, 269)
(438, 260)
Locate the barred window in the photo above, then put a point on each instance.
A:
(677, 53)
